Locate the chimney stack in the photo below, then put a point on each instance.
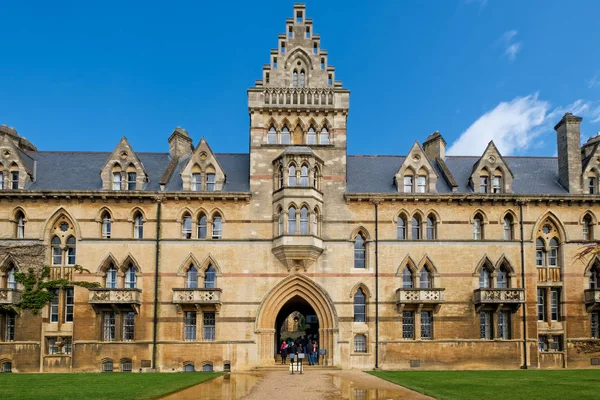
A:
(569, 153)
(435, 146)
(180, 143)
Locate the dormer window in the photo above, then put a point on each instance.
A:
(196, 182)
(210, 182)
(116, 181)
(286, 138)
(497, 184)
(483, 184)
(131, 180)
(408, 184)
(272, 136)
(421, 184)
(14, 179)
(591, 185)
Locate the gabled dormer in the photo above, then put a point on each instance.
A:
(491, 173)
(416, 174)
(16, 168)
(203, 171)
(123, 170)
(590, 154)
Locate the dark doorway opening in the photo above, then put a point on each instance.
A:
(295, 319)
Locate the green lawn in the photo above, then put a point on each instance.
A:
(498, 385)
(97, 386)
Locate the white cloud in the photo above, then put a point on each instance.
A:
(593, 81)
(512, 47)
(508, 36)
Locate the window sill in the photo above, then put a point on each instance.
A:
(360, 354)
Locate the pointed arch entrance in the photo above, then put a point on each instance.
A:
(295, 290)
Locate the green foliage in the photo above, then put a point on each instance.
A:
(38, 290)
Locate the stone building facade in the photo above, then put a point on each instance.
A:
(417, 261)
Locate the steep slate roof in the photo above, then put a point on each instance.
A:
(375, 174)
(81, 171)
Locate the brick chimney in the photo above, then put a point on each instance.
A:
(435, 146)
(180, 143)
(569, 153)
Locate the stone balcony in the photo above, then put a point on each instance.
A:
(297, 251)
(419, 298)
(118, 300)
(592, 299)
(197, 297)
(498, 297)
(10, 297)
(299, 97)
(549, 275)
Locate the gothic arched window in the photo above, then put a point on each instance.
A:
(485, 280)
(111, 277)
(311, 136)
(56, 251)
(20, 217)
(407, 278)
(130, 277)
(202, 226)
(304, 175)
(431, 234)
(138, 226)
(292, 179)
(304, 221)
(360, 306)
(324, 136)
(292, 220)
(401, 228)
(508, 227)
(210, 278)
(286, 138)
(272, 136)
(425, 278)
(191, 279)
(416, 227)
(295, 78)
(359, 251)
(71, 250)
(588, 228)
(302, 79)
(106, 225)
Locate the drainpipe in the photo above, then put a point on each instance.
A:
(156, 265)
(524, 366)
(376, 203)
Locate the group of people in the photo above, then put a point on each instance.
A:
(303, 344)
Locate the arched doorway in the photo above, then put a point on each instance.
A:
(296, 319)
(295, 293)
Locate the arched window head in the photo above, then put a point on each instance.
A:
(186, 227)
(292, 220)
(111, 277)
(360, 343)
(138, 226)
(106, 225)
(272, 135)
(56, 251)
(360, 306)
(197, 180)
(191, 279)
(316, 178)
(130, 277)
(292, 179)
(478, 227)
(71, 250)
(421, 183)
(20, 217)
(217, 227)
(431, 233)
(508, 227)
(407, 278)
(426, 279)
(304, 175)
(311, 136)
(408, 183)
(11, 283)
(286, 137)
(295, 78)
(595, 276)
(502, 278)
(116, 181)
(210, 277)
(280, 177)
(202, 227)
(497, 182)
(324, 136)
(484, 182)
(540, 253)
(302, 79)
(485, 280)
(588, 228)
(359, 251)
(304, 221)
(416, 227)
(401, 228)
(553, 253)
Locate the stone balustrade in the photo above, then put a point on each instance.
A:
(499, 296)
(9, 297)
(299, 97)
(196, 296)
(115, 296)
(419, 296)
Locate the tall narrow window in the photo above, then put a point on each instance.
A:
(541, 304)
(555, 304)
(484, 278)
(20, 225)
(191, 281)
(131, 180)
(315, 47)
(106, 225)
(360, 344)
(186, 227)
(311, 136)
(285, 135)
(11, 283)
(421, 184)
(9, 332)
(69, 304)
(595, 277)
(210, 278)
(71, 250)
(416, 228)
(401, 228)
(540, 253)
(280, 177)
(502, 278)
(196, 182)
(304, 221)
(408, 325)
(210, 182)
(295, 79)
(292, 221)
(591, 185)
(14, 178)
(408, 184)
(316, 178)
(426, 279)
(292, 176)
(503, 325)
(588, 228)
(483, 184)
(360, 306)
(497, 184)
(116, 182)
(108, 326)
(477, 227)
(304, 176)
(426, 325)
(485, 325)
(54, 306)
(217, 228)
(553, 253)
(280, 223)
(129, 326)
(302, 79)
(138, 226)
(208, 325)
(431, 227)
(315, 230)
(56, 251)
(111, 277)
(272, 136)
(594, 324)
(130, 278)
(202, 227)
(508, 226)
(283, 47)
(307, 34)
(407, 278)
(359, 251)
(1, 179)
(189, 325)
(324, 137)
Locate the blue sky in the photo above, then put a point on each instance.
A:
(78, 76)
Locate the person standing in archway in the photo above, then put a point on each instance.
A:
(283, 350)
